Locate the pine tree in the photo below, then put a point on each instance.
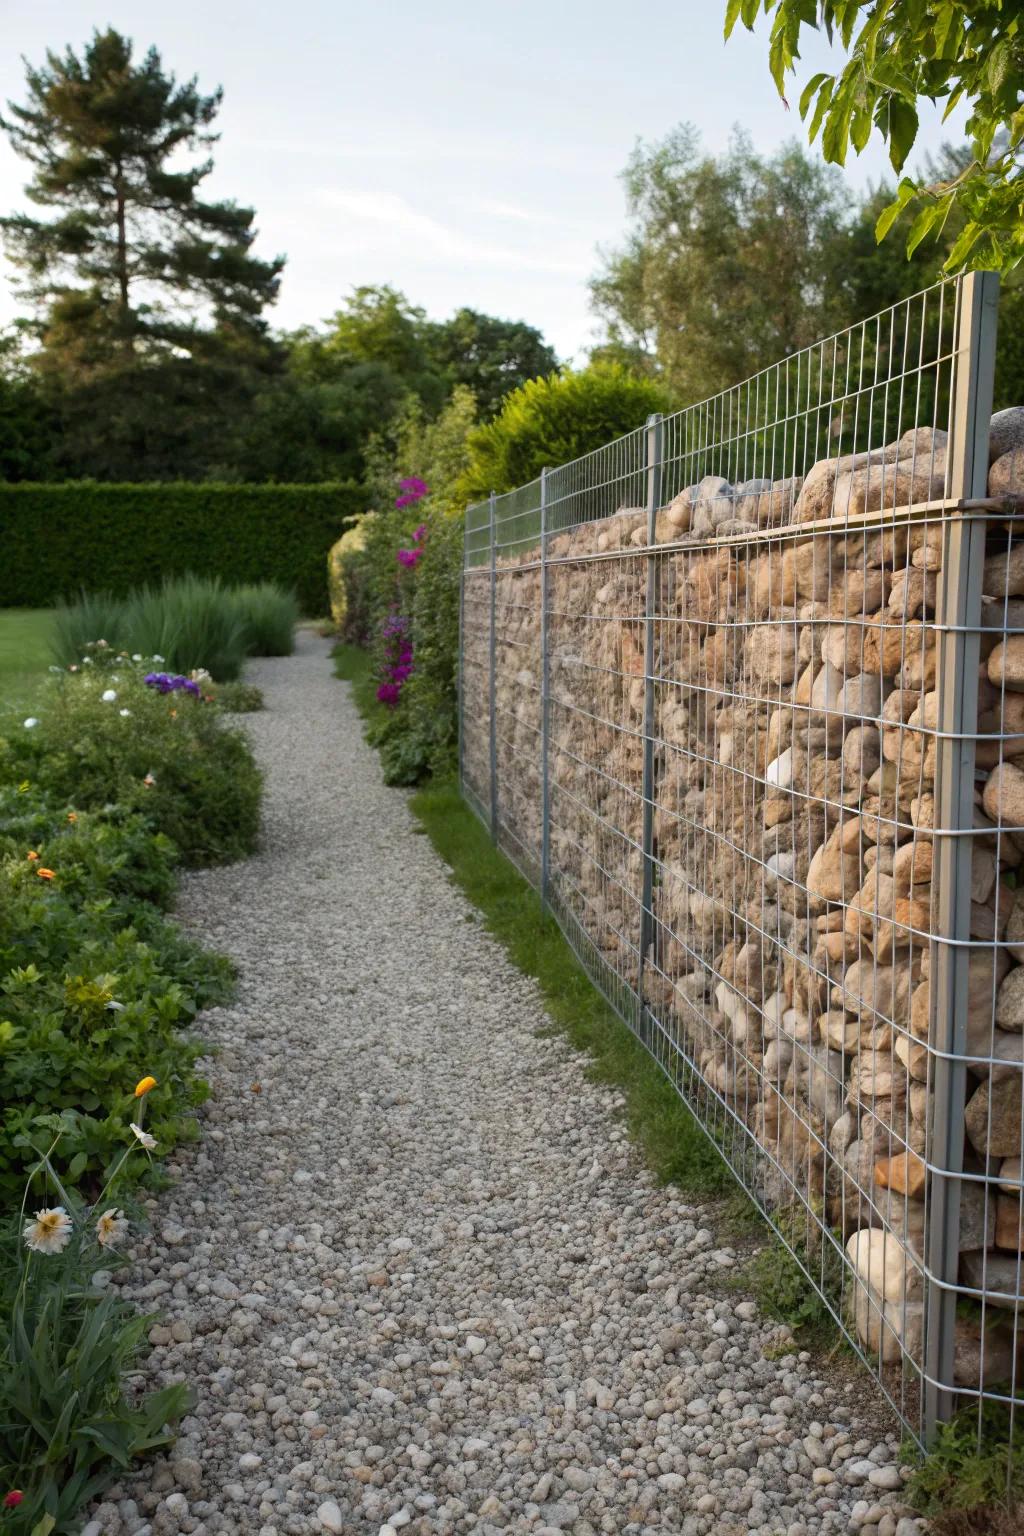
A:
(134, 264)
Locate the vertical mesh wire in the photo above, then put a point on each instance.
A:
(814, 634)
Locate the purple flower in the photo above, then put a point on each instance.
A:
(409, 557)
(420, 534)
(414, 489)
(167, 682)
(388, 693)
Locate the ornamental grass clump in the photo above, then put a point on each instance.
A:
(268, 616)
(67, 1340)
(189, 622)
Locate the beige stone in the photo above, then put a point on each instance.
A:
(1003, 797)
(771, 652)
(882, 1261)
(833, 875)
(1010, 1001)
(887, 486)
(1000, 1102)
(1006, 664)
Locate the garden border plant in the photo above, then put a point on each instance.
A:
(124, 770)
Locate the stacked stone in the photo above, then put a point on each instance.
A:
(794, 834)
(796, 711)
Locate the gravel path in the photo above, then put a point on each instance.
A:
(421, 1279)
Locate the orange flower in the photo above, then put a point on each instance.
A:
(44, 874)
(143, 1086)
(33, 857)
(174, 714)
(72, 816)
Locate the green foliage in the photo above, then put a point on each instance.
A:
(268, 616)
(490, 357)
(954, 51)
(61, 539)
(780, 1283)
(418, 735)
(549, 421)
(66, 1344)
(190, 622)
(84, 752)
(132, 250)
(728, 264)
(237, 698)
(977, 1459)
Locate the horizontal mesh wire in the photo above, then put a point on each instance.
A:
(783, 652)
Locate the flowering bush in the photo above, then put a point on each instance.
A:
(101, 735)
(66, 1341)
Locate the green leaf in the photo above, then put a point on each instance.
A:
(824, 102)
(732, 16)
(809, 89)
(890, 213)
(925, 222)
(969, 237)
(43, 1526)
(902, 131)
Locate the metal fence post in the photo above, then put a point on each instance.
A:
(653, 455)
(492, 684)
(545, 721)
(958, 620)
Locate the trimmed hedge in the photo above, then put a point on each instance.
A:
(60, 539)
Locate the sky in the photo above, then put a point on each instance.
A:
(467, 152)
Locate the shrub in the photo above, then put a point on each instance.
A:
(339, 558)
(547, 422)
(59, 539)
(170, 757)
(268, 616)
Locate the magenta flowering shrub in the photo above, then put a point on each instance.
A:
(396, 664)
(413, 489)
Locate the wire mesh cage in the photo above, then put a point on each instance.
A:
(752, 704)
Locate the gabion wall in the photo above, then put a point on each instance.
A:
(743, 694)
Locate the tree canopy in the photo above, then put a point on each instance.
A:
(727, 264)
(132, 249)
(900, 51)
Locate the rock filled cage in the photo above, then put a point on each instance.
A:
(742, 694)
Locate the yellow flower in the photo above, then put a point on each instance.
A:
(50, 1232)
(143, 1086)
(111, 1228)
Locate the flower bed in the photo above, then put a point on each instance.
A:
(121, 773)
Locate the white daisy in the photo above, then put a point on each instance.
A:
(111, 1228)
(31, 723)
(50, 1232)
(148, 1141)
(108, 695)
(136, 656)
(124, 713)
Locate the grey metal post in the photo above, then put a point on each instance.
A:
(545, 715)
(653, 454)
(493, 688)
(958, 620)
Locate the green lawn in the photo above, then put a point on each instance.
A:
(24, 652)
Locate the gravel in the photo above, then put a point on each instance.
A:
(416, 1272)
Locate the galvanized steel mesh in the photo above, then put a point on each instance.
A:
(743, 694)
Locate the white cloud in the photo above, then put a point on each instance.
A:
(397, 217)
